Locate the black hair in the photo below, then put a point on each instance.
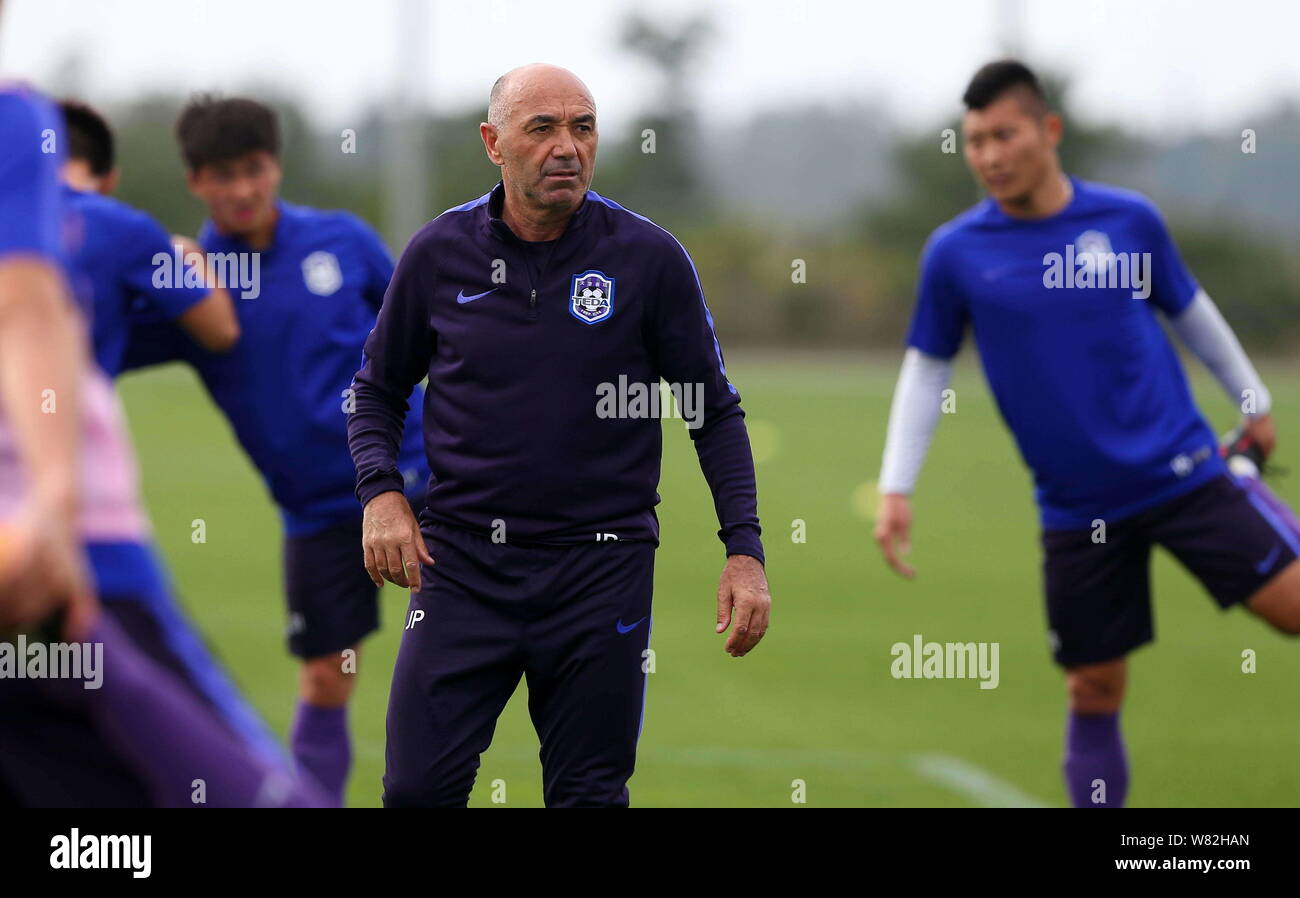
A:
(995, 79)
(212, 129)
(88, 137)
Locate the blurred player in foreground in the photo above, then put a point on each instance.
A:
(115, 252)
(1061, 281)
(141, 732)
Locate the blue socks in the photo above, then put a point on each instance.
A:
(321, 746)
(1095, 768)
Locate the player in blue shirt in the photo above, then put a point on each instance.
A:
(311, 284)
(1063, 283)
(126, 256)
(145, 727)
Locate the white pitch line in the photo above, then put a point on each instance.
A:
(973, 782)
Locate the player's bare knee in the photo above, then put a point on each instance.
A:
(1282, 616)
(1287, 623)
(1278, 603)
(1095, 689)
(326, 681)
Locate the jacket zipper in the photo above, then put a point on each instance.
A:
(541, 276)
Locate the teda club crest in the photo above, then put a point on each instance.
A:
(321, 274)
(1092, 243)
(593, 297)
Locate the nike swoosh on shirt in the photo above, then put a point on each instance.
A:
(1267, 563)
(462, 298)
(629, 628)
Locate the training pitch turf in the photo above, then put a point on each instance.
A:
(815, 702)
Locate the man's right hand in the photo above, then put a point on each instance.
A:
(43, 571)
(894, 531)
(391, 539)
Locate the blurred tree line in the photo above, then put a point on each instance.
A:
(858, 261)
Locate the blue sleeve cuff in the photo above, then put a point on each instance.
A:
(379, 483)
(745, 542)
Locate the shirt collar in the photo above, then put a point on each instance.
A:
(211, 238)
(993, 211)
(496, 226)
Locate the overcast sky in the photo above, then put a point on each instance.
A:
(1158, 66)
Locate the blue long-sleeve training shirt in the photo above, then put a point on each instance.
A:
(540, 359)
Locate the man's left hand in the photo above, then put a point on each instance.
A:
(1261, 432)
(743, 600)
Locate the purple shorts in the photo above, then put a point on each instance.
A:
(1232, 534)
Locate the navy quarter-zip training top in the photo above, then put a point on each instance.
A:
(518, 341)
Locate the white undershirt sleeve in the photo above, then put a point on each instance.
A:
(913, 416)
(1202, 329)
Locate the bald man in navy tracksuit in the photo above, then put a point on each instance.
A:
(527, 309)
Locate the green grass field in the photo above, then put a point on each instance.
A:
(816, 702)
